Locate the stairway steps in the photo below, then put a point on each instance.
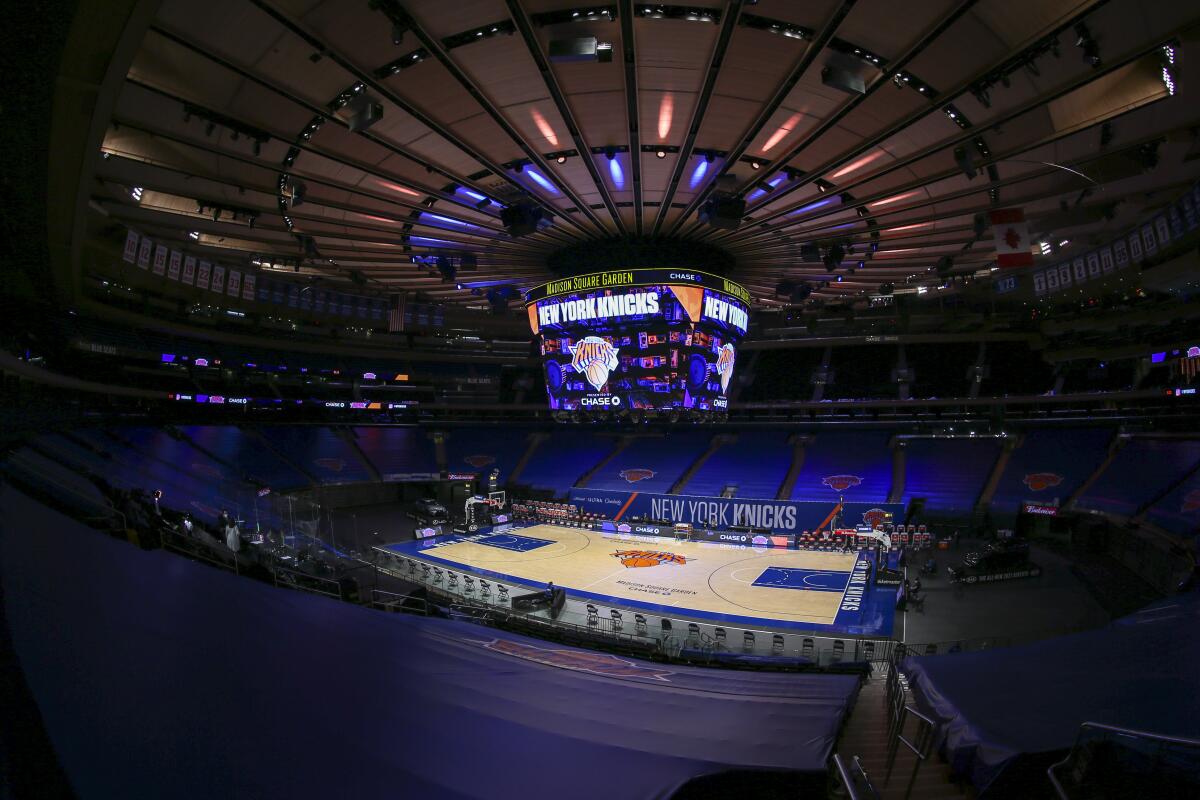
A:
(866, 736)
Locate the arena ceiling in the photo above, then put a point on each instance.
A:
(1059, 107)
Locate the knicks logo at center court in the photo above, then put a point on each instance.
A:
(594, 359)
(647, 558)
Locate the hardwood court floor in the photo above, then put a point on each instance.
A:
(768, 584)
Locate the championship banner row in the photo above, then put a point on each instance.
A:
(1180, 219)
(241, 284)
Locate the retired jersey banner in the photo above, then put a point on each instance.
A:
(1013, 246)
(160, 259)
(779, 516)
(174, 265)
(131, 247)
(143, 260)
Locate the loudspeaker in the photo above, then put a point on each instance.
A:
(362, 112)
(944, 265)
(520, 219)
(886, 289)
(963, 159)
(810, 253)
(586, 48)
(843, 73)
(723, 212)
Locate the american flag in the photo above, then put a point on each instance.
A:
(396, 313)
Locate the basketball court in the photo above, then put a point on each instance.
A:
(771, 587)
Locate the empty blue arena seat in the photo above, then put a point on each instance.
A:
(856, 464)
(652, 463)
(948, 473)
(1144, 467)
(756, 464)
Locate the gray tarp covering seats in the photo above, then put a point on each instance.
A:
(159, 677)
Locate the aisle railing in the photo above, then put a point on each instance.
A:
(1110, 761)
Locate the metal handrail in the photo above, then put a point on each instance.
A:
(1158, 738)
(921, 748)
(853, 778)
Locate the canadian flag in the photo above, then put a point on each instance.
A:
(1013, 247)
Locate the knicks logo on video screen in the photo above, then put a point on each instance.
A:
(647, 558)
(1038, 481)
(725, 358)
(595, 359)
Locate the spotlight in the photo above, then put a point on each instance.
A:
(663, 154)
(755, 165)
(560, 160)
(610, 153)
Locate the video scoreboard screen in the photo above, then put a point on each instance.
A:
(645, 339)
